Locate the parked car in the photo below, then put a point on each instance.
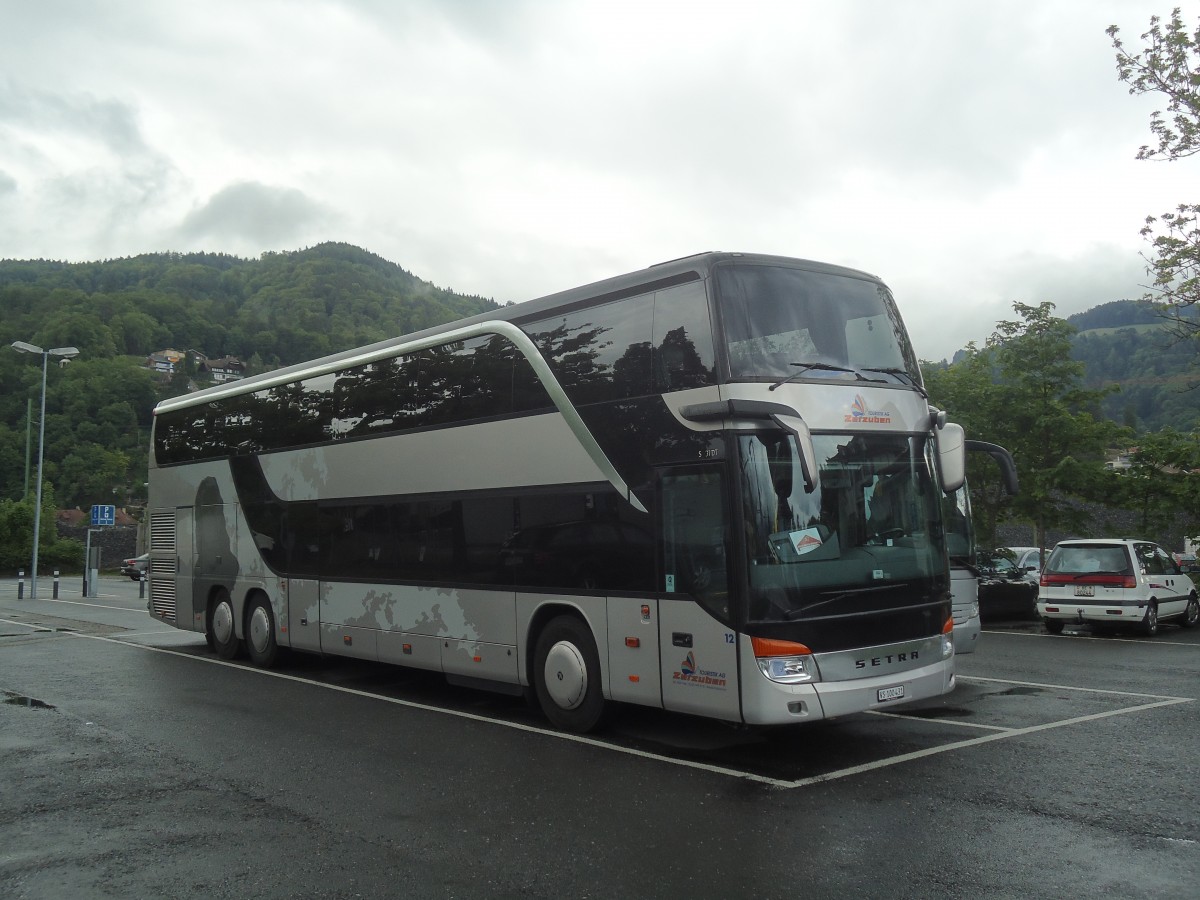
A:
(1115, 582)
(1005, 590)
(1027, 561)
(136, 566)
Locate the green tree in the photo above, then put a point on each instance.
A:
(968, 391)
(1161, 483)
(1024, 392)
(1048, 422)
(16, 537)
(1169, 65)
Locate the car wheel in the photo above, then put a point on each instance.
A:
(1191, 614)
(1054, 626)
(1150, 623)
(566, 674)
(260, 633)
(221, 627)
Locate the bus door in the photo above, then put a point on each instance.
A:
(698, 653)
(190, 596)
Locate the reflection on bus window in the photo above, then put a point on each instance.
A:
(870, 528)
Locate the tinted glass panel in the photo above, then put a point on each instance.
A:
(778, 317)
(695, 543)
(445, 385)
(601, 353)
(867, 538)
(684, 356)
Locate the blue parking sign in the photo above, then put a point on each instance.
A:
(104, 515)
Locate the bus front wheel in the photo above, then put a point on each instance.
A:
(221, 627)
(567, 675)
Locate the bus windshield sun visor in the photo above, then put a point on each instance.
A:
(783, 416)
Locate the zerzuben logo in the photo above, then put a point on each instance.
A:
(691, 675)
(860, 415)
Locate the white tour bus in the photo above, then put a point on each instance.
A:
(710, 486)
(960, 544)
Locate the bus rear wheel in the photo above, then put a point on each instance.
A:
(221, 626)
(260, 632)
(566, 674)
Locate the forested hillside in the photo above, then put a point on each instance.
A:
(1128, 344)
(280, 309)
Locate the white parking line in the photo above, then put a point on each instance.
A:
(784, 784)
(1157, 641)
(1067, 687)
(26, 625)
(128, 609)
(900, 715)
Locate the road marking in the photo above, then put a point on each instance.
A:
(1145, 641)
(975, 742)
(131, 609)
(1067, 687)
(26, 625)
(911, 718)
(783, 784)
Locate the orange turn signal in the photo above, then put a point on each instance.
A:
(772, 647)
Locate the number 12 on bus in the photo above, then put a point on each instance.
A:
(711, 486)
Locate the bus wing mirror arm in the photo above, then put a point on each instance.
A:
(798, 428)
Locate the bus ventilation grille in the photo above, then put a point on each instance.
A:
(162, 532)
(162, 570)
(162, 598)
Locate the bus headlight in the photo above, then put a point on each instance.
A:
(788, 669)
(948, 639)
(785, 662)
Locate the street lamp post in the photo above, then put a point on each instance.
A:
(64, 353)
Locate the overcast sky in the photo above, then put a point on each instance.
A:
(972, 154)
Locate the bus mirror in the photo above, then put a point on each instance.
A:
(798, 428)
(952, 457)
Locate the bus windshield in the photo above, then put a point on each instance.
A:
(777, 318)
(868, 537)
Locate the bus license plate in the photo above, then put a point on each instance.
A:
(892, 693)
(1085, 590)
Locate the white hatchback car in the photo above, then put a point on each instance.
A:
(1114, 582)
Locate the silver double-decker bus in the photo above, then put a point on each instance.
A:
(712, 486)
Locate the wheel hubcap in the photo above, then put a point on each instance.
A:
(222, 623)
(566, 675)
(260, 629)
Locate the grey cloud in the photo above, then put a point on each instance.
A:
(250, 211)
(112, 123)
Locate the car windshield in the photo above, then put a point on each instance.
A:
(867, 537)
(778, 319)
(1082, 558)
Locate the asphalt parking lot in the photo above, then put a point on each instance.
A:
(1081, 746)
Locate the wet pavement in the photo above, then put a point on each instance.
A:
(137, 764)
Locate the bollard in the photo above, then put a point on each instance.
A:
(20, 584)
(142, 586)
(56, 584)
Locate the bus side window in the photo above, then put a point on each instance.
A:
(695, 553)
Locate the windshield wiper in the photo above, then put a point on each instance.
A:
(1099, 572)
(900, 373)
(842, 595)
(824, 367)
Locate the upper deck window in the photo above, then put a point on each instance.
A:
(776, 317)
